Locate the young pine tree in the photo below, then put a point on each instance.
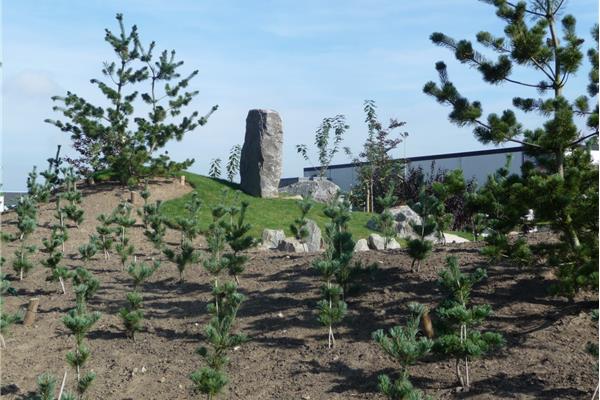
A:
(453, 184)
(238, 239)
(459, 337)
(72, 195)
(26, 210)
(385, 220)
(420, 247)
(123, 221)
(233, 162)
(6, 319)
(298, 227)
(562, 186)
(406, 347)
(214, 170)
(133, 315)
(52, 247)
(105, 233)
(156, 229)
(120, 137)
(188, 225)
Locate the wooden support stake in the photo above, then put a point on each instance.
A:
(133, 197)
(182, 180)
(32, 308)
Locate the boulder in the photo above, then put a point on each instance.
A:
(404, 215)
(272, 237)
(319, 189)
(260, 162)
(377, 242)
(361, 245)
(313, 241)
(291, 245)
(450, 238)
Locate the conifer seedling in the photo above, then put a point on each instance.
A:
(105, 233)
(26, 210)
(72, 195)
(420, 247)
(236, 236)
(59, 273)
(385, 220)
(298, 227)
(133, 315)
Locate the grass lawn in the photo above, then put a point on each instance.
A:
(262, 213)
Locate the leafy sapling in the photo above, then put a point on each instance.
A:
(26, 210)
(188, 225)
(6, 319)
(236, 236)
(406, 347)
(133, 315)
(420, 247)
(459, 337)
(214, 170)
(298, 227)
(105, 233)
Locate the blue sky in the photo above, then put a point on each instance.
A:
(306, 59)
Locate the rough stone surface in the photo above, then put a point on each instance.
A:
(321, 190)
(291, 245)
(377, 242)
(450, 238)
(361, 245)
(313, 241)
(404, 215)
(261, 160)
(272, 237)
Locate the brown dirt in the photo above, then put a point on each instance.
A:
(287, 356)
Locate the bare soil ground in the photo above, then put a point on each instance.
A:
(287, 356)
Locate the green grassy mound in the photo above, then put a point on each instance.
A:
(262, 213)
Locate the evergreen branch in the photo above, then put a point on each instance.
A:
(583, 139)
(539, 14)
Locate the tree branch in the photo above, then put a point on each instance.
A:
(583, 139)
(526, 10)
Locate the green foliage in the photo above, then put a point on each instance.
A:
(188, 224)
(562, 186)
(377, 170)
(73, 196)
(236, 236)
(105, 233)
(133, 315)
(420, 247)
(214, 170)
(385, 220)
(86, 283)
(298, 227)
(328, 138)
(121, 217)
(459, 337)
(52, 246)
(185, 256)
(405, 346)
(113, 137)
(233, 162)
(155, 225)
(26, 210)
(46, 386)
(208, 381)
(22, 264)
(452, 185)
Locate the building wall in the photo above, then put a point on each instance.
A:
(476, 165)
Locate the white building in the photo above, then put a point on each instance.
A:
(475, 164)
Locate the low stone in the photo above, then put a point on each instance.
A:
(272, 237)
(319, 189)
(377, 242)
(313, 241)
(291, 245)
(361, 245)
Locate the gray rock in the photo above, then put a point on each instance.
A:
(260, 162)
(321, 190)
(377, 242)
(272, 237)
(313, 241)
(291, 245)
(361, 245)
(450, 238)
(404, 215)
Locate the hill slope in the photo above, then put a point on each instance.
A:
(262, 213)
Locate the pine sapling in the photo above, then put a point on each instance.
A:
(122, 218)
(459, 337)
(420, 247)
(26, 210)
(156, 228)
(184, 257)
(105, 233)
(144, 210)
(214, 170)
(386, 222)
(6, 319)
(233, 162)
(236, 236)
(188, 225)
(406, 347)
(59, 273)
(133, 315)
(298, 227)
(72, 195)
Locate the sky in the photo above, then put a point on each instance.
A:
(305, 59)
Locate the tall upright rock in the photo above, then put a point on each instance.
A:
(260, 163)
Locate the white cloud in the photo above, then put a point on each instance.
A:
(31, 83)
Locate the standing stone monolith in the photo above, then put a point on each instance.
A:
(260, 163)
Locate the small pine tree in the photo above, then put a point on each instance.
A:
(233, 162)
(88, 251)
(405, 346)
(105, 233)
(385, 220)
(298, 227)
(144, 210)
(420, 247)
(26, 210)
(133, 315)
(122, 218)
(6, 319)
(156, 228)
(72, 195)
(184, 257)
(214, 170)
(188, 225)
(59, 273)
(236, 236)
(459, 337)
(452, 185)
